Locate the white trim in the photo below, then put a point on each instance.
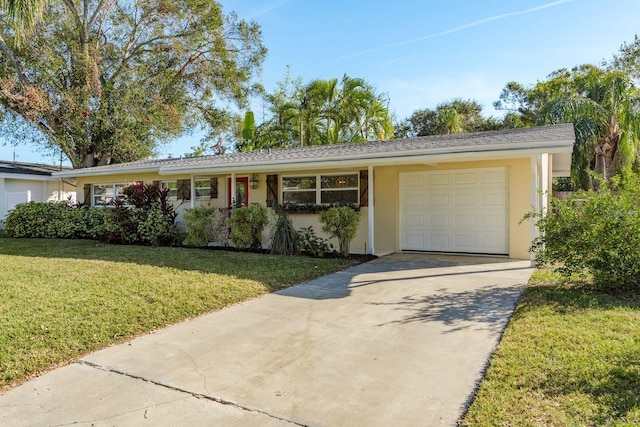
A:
(361, 160)
(192, 191)
(28, 177)
(318, 188)
(534, 199)
(544, 169)
(370, 218)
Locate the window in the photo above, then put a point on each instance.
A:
(299, 189)
(203, 189)
(105, 194)
(320, 189)
(339, 189)
(173, 189)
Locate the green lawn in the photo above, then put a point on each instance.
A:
(60, 299)
(569, 357)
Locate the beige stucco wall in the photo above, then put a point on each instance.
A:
(258, 195)
(387, 213)
(386, 208)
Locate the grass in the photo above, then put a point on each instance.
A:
(569, 357)
(60, 299)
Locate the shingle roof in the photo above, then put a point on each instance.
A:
(397, 147)
(7, 167)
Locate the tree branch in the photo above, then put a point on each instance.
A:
(16, 64)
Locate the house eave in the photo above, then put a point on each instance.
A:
(375, 159)
(429, 155)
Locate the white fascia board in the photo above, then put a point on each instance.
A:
(28, 177)
(443, 154)
(89, 172)
(376, 159)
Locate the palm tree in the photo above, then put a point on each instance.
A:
(23, 13)
(606, 118)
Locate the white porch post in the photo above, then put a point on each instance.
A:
(544, 184)
(534, 198)
(232, 190)
(3, 199)
(193, 191)
(370, 209)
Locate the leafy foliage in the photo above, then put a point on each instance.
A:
(456, 116)
(247, 224)
(284, 237)
(341, 223)
(152, 222)
(200, 226)
(314, 245)
(109, 81)
(603, 103)
(594, 232)
(322, 112)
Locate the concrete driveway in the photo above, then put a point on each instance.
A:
(401, 341)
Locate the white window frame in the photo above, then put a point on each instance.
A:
(199, 189)
(114, 188)
(318, 189)
(165, 184)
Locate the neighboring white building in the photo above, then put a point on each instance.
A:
(30, 182)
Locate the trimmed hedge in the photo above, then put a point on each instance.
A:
(150, 222)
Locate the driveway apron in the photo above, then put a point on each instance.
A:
(402, 340)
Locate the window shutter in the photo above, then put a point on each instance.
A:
(364, 188)
(157, 184)
(184, 189)
(87, 195)
(272, 190)
(213, 187)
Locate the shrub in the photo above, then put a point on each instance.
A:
(247, 224)
(155, 228)
(593, 232)
(200, 226)
(342, 223)
(284, 238)
(121, 224)
(314, 245)
(37, 220)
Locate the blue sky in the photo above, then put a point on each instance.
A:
(425, 52)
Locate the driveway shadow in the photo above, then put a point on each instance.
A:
(486, 307)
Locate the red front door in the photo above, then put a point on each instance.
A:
(241, 195)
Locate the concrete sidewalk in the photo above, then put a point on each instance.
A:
(400, 341)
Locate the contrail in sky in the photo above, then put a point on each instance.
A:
(270, 8)
(458, 28)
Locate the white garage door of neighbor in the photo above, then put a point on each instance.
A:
(455, 211)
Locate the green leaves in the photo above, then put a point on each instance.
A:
(109, 85)
(322, 112)
(595, 233)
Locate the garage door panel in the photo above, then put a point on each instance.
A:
(415, 180)
(465, 178)
(436, 220)
(493, 199)
(491, 177)
(465, 199)
(437, 179)
(415, 220)
(455, 211)
(439, 200)
(465, 241)
(415, 200)
(466, 221)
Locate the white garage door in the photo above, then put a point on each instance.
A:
(455, 211)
